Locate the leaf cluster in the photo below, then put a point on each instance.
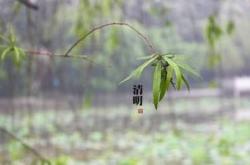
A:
(168, 71)
(214, 33)
(10, 48)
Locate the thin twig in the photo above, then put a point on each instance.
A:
(34, 151)
(146, 40)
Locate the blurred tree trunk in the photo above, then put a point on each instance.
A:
(29, 66)
(218, 70)
(11, 88)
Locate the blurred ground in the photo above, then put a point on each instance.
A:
(183, 131)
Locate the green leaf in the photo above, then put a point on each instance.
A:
(181, 58)
(170, 72)
(163, 83)
(17, 54)
(12, 36)
(177, 71)
(5, 52)
(137, 72)
(185, 82)
(169, 55)
(156, 84)
(213, 31)
(188, 69)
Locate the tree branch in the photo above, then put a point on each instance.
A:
(34, 151)
(146, 40)
(28, 4)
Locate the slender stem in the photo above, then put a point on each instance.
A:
(146, 40)
(34, 151)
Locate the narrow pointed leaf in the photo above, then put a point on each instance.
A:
(177, 72)
(170, 71)
(156, 84)
(3, 55)
(146, 57)
(180, 58)
(17, 54)
(163, 83)
(188, 69)
(144, 65)
(137, 72)
(132, 74)
(169, 55)
(12, 36)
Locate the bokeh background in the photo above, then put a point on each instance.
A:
(72, 111)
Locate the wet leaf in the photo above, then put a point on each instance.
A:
(137, 72)
(177, 71)
(157, 84)
(163, 83)
(170, 72)
(188, 69)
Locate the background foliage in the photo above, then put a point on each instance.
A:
(55, 26)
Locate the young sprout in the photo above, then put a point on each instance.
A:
(167, 72)
(10, 49)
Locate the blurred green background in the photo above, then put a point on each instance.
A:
(75, 112)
